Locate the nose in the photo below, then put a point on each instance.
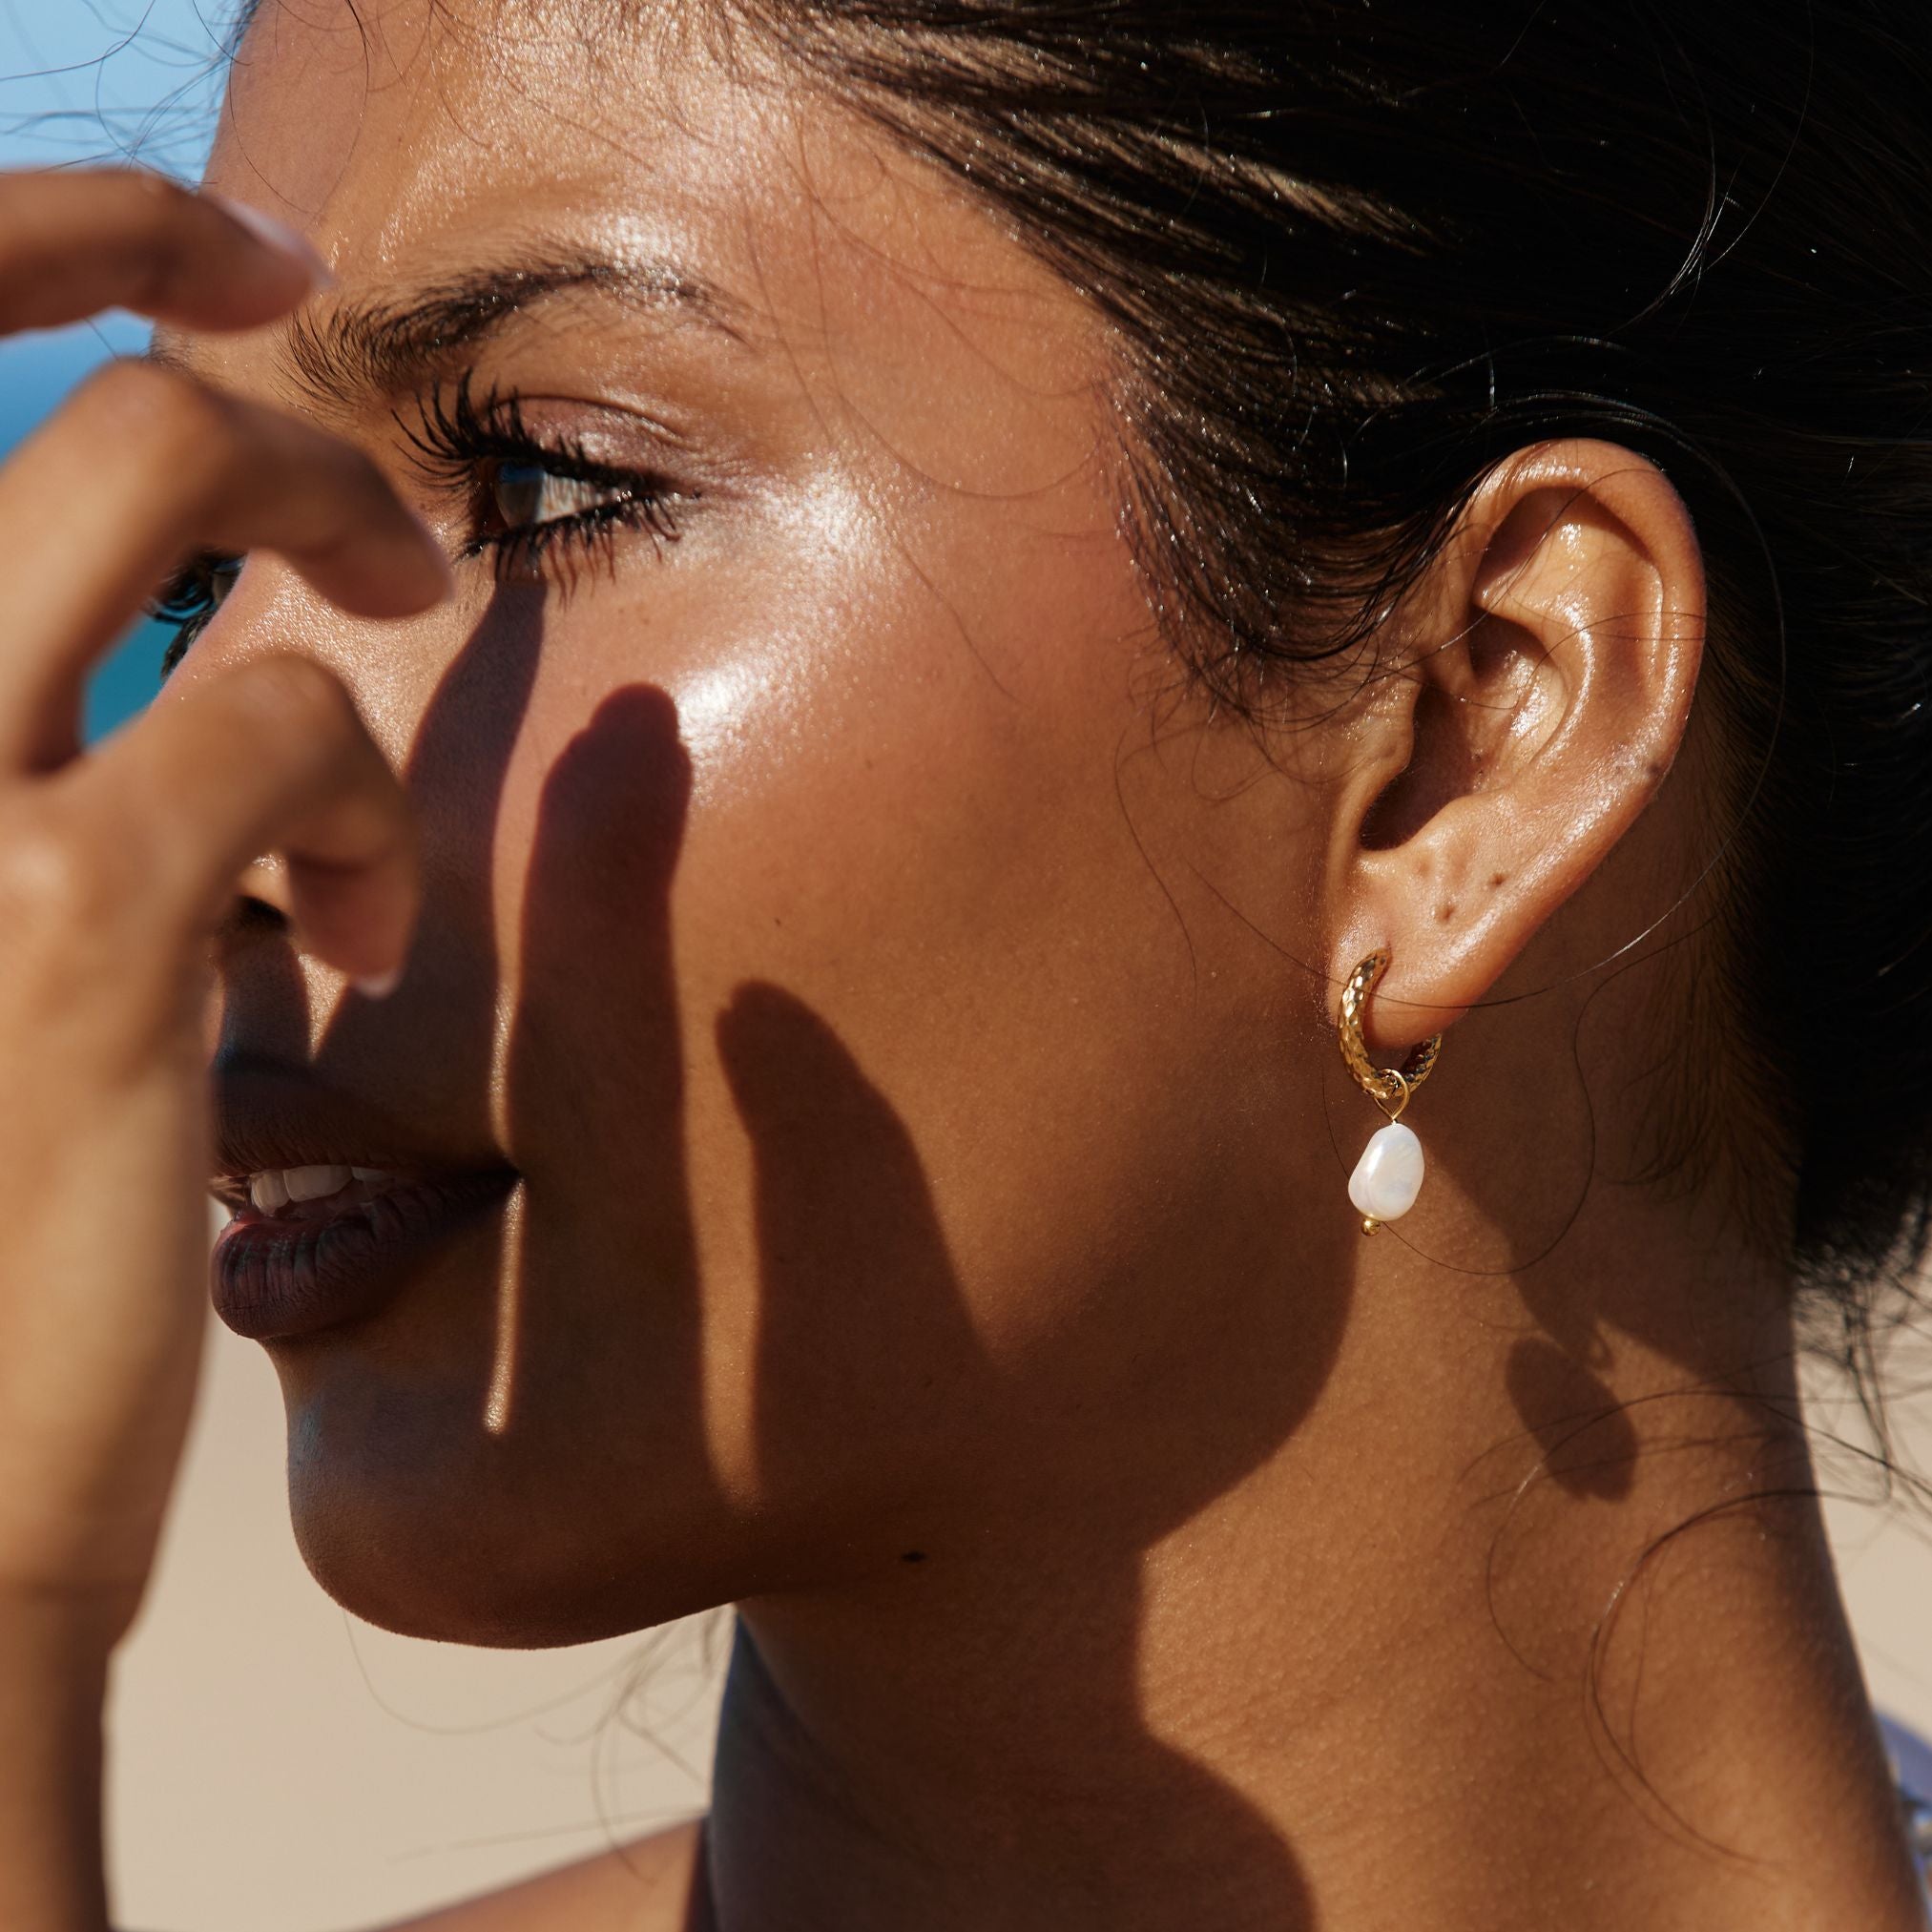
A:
(389, 667)
(262, 890)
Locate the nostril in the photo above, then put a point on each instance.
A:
(251, 914)
(264, 902)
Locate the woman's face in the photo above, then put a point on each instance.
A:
(836, 916)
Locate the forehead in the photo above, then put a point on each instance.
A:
(377, 122)
(411, 138)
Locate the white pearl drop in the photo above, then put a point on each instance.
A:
(1389, 1175)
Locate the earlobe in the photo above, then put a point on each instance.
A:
(1544, 688)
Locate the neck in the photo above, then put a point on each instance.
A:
(1444, 1665)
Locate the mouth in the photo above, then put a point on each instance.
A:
(332, 1258)
(318, 1237)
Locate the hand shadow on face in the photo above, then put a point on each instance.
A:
(599, 1280)
(854, 1261)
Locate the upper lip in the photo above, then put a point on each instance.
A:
(270, 1115)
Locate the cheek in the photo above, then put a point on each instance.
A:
(848, 992)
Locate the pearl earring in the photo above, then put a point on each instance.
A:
(1389, 1175)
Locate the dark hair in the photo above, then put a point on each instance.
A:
(1359, 251)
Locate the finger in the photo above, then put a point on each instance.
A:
(189, 467)
(270, 756)
(84, 239)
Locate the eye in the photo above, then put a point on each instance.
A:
(526, 496)
(192, 598)
(541, 510)
(545, 516)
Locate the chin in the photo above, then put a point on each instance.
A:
(471, 1583)
(463, 1548)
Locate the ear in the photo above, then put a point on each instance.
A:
(1552, 654)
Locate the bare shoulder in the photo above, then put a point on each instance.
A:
(646, 1885)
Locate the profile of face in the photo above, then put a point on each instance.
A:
(884, 994)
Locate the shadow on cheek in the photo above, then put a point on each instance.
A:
(860, 1313)
(596, 1070)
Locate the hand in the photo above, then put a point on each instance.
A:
(115, 867)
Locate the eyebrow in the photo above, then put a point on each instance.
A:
(389, 347)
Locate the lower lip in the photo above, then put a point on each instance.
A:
(272, 1279)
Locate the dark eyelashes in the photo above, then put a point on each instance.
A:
(186, 630)
(459, 442)
(190, 600)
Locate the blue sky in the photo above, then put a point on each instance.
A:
(94, 80)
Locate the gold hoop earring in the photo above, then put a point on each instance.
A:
(1389, 1175)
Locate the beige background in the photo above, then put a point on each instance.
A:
(280, 1768)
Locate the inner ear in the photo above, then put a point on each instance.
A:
(1476, 694)
(1438, 770)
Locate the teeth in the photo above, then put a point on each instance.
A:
(312, 1183)
(275, 1187)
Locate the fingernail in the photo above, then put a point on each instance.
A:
(379, 986)
(279, 237)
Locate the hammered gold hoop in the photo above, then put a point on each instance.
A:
(1390, 1087)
